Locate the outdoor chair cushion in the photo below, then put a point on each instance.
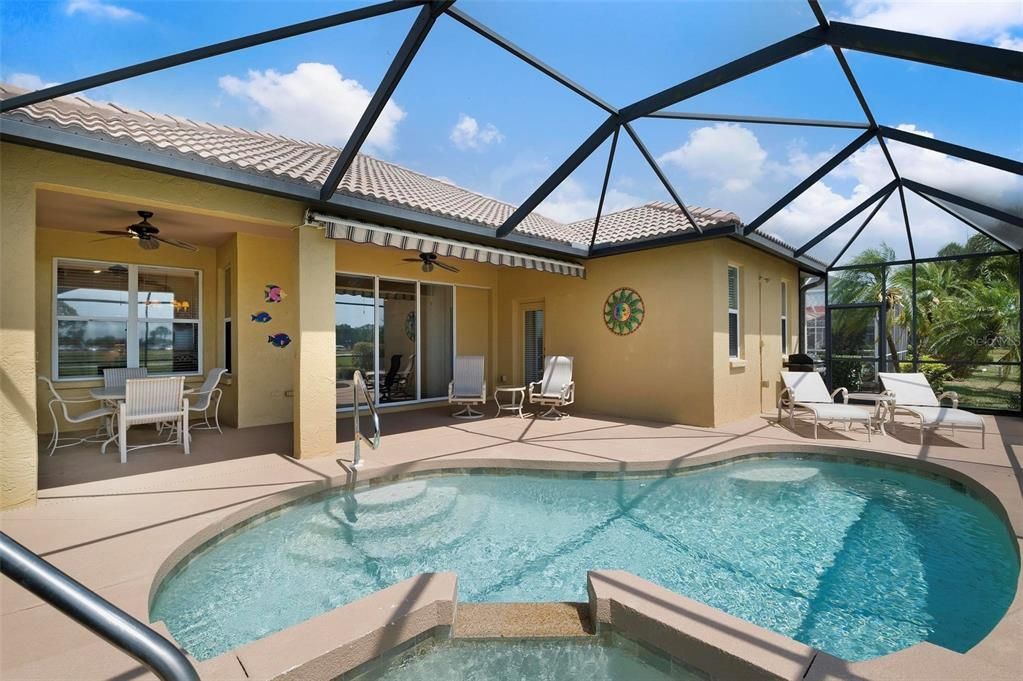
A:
(946, 416)
(838, 412)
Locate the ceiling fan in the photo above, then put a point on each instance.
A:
(146, 234)
(429, 261)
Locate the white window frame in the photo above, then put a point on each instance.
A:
(785, 317)
(132, 320)
(376, 332)
(737, 311)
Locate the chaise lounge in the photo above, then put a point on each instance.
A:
(805, 390)
(913, 394)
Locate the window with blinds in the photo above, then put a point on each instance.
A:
(532, 346)
(734, 326)
(112, 315)
(784, 318)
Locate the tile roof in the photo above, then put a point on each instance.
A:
(651, 220)
(309, 163)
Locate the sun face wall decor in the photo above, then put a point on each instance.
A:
(623, 311)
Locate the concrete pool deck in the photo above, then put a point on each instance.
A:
(118, 528)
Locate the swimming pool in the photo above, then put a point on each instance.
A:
(855, 560)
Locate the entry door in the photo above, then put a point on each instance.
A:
(855, 347)
(532, 342)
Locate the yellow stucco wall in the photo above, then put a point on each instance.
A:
(18, 472)
(264, 374)
(750, 386)
(662, 370)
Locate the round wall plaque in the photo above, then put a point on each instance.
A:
(623, 311)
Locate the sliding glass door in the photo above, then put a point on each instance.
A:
(354, 333)
(399, 333)
(397, 340)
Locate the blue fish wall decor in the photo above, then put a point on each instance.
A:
(261, 317)
(279, 340)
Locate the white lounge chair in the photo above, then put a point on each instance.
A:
(556, 388)
(206, 396)
(469, 386)
(152, 400)
(56, 400)
(805, 390)
(913, 394)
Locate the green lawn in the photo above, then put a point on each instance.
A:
(988, 390)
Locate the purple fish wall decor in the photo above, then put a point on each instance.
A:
(261, 317)
(279, 340)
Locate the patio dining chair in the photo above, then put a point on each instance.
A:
(151, 400)
(912, 394)
(468, 387)
(115, 378)
(555, 389)
(206, 396)
(58, 401)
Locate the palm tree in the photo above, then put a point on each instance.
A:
(867, 285)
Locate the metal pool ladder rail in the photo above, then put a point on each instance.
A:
(361, 391)
(96, 614)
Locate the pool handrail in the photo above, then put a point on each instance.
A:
(359, 383)
(93, 612)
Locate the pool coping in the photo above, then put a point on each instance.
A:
(329, 636)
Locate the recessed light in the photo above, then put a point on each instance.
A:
(96, 271)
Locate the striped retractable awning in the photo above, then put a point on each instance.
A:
(364, 233)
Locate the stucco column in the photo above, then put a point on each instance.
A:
(18, 439)
(315, 392)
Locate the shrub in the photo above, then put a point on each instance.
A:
(937, 374)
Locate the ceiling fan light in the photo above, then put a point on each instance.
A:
(149, 244)
(427, 266)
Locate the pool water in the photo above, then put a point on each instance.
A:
(857, 561)
(518, 660)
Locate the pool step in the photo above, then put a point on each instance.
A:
(454, 527)
(522, 620)
(435, 503)
(396, 494)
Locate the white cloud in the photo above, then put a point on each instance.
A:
(313, 102)
(571, 202)
(467, 134)
(1010, 42)
(990, 21)
(726, 154)
(101, 10)
(29, 81)
(742, 177)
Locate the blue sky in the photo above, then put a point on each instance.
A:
(472, 114)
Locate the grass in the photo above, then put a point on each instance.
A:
(988, 390)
